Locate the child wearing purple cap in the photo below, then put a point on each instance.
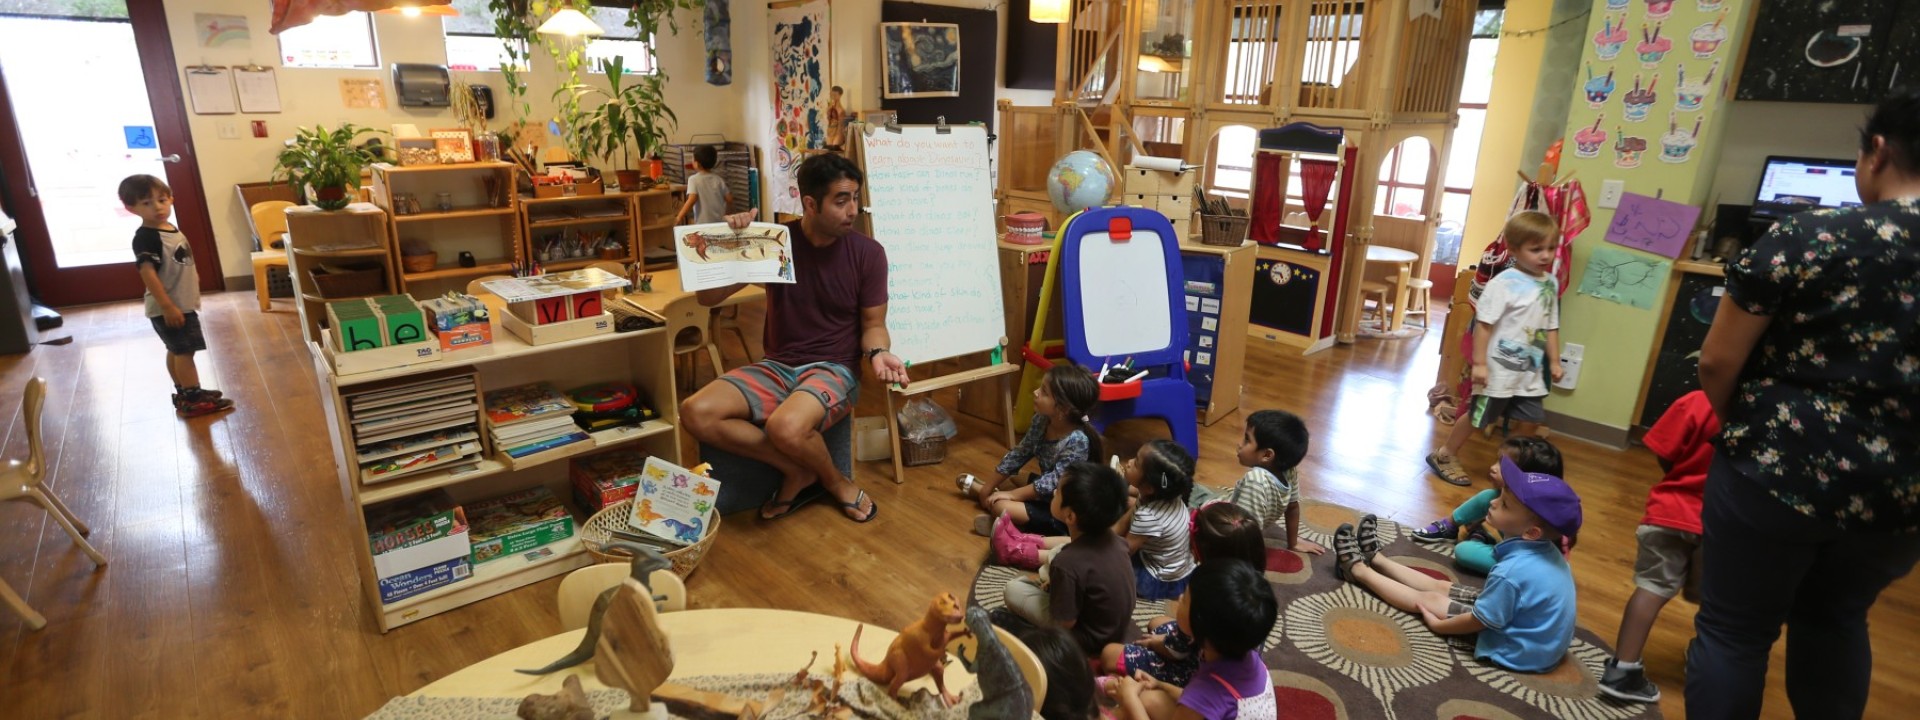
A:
(1524, 616)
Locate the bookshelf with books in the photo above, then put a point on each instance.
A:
(413, 431)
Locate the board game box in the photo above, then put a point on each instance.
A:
(607, 478)
(515, 523)
(409, 584)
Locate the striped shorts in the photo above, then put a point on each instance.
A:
(766, 384)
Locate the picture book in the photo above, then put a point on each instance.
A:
(673, 503)
(714, 255)
(395, 466)
(507, 406)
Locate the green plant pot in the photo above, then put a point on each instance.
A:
(331, 198)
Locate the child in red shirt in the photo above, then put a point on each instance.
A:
(1669, 537)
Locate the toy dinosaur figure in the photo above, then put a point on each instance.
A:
(645, 562)
(685, 532)
(1004, 692)
(920, 649)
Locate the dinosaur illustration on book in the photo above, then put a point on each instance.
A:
(919, 650)
(645, 513)
(685, 532)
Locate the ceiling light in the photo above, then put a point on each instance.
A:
(1052, 12)
(568, 21)
(418, 10)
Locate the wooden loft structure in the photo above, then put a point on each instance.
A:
(1381, 72)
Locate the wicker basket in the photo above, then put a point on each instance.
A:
(1223, 230)
(424, 262)
(598, 531)
(350, 284)
(914, 453)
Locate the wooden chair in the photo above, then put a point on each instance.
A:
(270, 223)
(689, 328)
(1419, 298)
(727, 319)
(581, 587)
(22, 481)
(1379, 291)
(1023, 657)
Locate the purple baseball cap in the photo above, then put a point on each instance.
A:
(1547, 496)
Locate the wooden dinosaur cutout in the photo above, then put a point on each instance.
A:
(1004, 692)
(920, 649)
(623, 631)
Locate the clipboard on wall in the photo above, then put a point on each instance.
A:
(258, 88)
(210, 88)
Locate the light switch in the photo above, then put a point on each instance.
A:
(1610, 192)
(228, 131)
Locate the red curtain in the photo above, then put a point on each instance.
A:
(1316, 179)
(1269, 193)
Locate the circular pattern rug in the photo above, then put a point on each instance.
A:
(1337, 652)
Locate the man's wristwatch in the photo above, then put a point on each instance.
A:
(874, 352)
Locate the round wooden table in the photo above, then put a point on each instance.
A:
(1403, 260)
(705, 642)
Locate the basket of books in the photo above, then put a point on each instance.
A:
(601, 528)
(1223, 230)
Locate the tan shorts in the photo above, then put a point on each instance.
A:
(1669, 562)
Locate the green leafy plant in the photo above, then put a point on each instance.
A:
(326, 163)
(513, 23)
(631, 121)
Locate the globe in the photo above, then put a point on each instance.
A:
(1079, 181)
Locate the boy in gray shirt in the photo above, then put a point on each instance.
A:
(166, 267)
(707, 196)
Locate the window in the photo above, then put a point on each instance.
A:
(471, 44)
(331, 41)
(1403, 178)
(635, 52)
(1233, 160)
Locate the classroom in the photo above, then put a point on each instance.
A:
(1135, 359)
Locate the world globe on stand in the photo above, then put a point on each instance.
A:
(1081, 180)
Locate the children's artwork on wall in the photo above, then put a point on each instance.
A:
(718, 19)
(1653, 48)
(217, 30)
(922, 59)
(1588, 141)
(1598, 88)
(1638, 102)
(1612, 35)
(1688, 95)
(1707, 37)
(1652, 224)
(1626, 149)
(363, 93)
(1618, 276)
(799, 54)
(1677, 145)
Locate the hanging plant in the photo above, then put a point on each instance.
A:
(513, 23)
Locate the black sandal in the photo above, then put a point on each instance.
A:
(872, 511)
(806, 495)
(1368, 536)
(1346, 551)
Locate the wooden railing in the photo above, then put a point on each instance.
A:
(1431, 54)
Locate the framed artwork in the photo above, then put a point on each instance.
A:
(416, 151)
(922, 59)
(454, 145)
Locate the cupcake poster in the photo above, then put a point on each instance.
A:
(1677, 145)
(1638, 102)
(1598, 87)
(1690, 93)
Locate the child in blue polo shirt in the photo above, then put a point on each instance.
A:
(1525, 614)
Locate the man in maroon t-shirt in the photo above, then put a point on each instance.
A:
(819, 330)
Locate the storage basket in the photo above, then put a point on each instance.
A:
(598, 532)
(1223, 230)
(424, 262)
(914, 453)
(349, 284)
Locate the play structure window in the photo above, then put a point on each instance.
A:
(1403, 180)
(1252, 47)
(1161, 135)
(1231, 165)
(1166, 50)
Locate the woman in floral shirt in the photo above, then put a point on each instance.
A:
(1813, 503)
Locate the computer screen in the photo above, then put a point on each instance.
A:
(1789, 185)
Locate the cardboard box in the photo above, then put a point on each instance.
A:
(512, 524)
(558, 331)
(607, 478)
(409, 584)
(466, 337)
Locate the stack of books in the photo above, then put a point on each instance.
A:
(528, 419)
(428, 422)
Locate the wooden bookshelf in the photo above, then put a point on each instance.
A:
(357, 236)
(558, 219)
(484, 221)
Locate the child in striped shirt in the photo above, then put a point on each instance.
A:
(1162, 474)
(1275, 443)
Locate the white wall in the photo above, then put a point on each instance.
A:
(312, 96)
(1757, 129)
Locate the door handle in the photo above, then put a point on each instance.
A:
(174, 158)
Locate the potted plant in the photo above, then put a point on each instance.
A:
(325, 164)
(631, 121)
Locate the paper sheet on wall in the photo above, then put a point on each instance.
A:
(713, 255)
(363, 94)
(1652, 224)
(211, 90)
(1615, 275)
(259, 90)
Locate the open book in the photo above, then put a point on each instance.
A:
(714, 255)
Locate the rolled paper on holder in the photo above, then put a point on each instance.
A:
(1149, 162)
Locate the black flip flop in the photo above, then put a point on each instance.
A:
(872, 512)
(806, 495)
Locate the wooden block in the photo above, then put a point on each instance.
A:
(360, 333)
(552, 310)
(405, 326)
(586, 304)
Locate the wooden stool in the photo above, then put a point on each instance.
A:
(1419, 293)
(1381, 307)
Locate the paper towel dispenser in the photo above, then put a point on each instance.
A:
(419, 85)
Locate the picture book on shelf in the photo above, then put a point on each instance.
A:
(673, 503)
(507, 406)
(714, 255)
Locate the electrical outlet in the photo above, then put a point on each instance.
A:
(1570, 356)
(1610, 192)
(228, 131)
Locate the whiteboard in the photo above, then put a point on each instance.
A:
(1123, 294)
(930, 199)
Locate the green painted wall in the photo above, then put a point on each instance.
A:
(1619, 338)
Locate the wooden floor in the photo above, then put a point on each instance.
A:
(231, 590)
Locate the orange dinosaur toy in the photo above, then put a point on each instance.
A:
(920, 649)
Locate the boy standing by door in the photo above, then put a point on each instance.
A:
(173, 291)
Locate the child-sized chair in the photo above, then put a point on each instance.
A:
(581, 587)
(1121, 278)
(22, 481)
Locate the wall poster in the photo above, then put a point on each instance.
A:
(800, 80)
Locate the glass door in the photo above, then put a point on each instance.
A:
(74, 124)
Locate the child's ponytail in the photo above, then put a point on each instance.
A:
(1075, 393)
(1168, 470)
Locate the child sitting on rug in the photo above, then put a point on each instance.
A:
(1466, 528)
(1669, 538)
(1230, 609)
(1090, 592)
(1156, 528)
(1275, 443)
(1221, 531)
(1525, 614)
(1061, 434)
(1070, 689)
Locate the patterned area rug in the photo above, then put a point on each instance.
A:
(1339, 653)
